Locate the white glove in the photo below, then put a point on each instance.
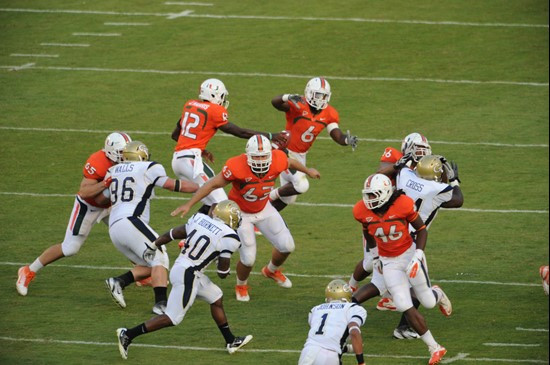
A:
(417, 261)
(351, 141)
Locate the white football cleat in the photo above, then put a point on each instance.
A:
(160, 307)
(405, 333)
(114, 287)
(386, 304)
(123, 342)
(237, 343)
(241, 292)
(437, 355)
(445, 305)
(24, 278)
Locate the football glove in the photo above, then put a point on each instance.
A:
(294, 99)
(351, 141)
(451, 169)
(402, 162)
(416, 262)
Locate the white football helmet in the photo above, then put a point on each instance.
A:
(417, 145)
(214, 91)
(114, 145)
(377, 191)
(258, 153)
(317, 93)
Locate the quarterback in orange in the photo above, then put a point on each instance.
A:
(86, 210)
(385, 214)
(199, 122)
(252, 176)
(306, 117)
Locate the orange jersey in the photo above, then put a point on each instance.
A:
(304, 126)
(95, 168)
(249, 191)
(391, 155)
(199, 122)
(391, 231)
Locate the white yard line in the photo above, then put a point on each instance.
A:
(127, 24)
(186, 3)
(532, 329)
(34, 55)
(22, 67)
(94, 267)
(40, 195)
(292, 76)
(223, 135)
(221, 349)
(65, 44)
(284, 18)
(494, 344)
(97, 34)
(458, 357)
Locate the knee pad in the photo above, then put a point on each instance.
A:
(301, 185)
(247, 256)
(426, 297)
(71, 248)
(288, 199)
(402, 301)
(285, 243)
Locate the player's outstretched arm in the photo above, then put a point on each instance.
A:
(173, 234)
(216, 182)
(237, 131)
(343, 139)
(181, 186)
(90, 188)
(421, 233)
(223, 267)
(176, 132)
(356, 342)
(297, 165)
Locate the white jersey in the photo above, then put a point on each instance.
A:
(207, 238)
(132, 188)
(428, 195)
(329, 324)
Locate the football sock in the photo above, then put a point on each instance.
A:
(352, 282)
(136, 331)
(126, 279)
(429, 340)
(204, 209)
(242, 282)
(36, 266)
(403, 322)
(160, 293)
(272, 267)
(226, 333)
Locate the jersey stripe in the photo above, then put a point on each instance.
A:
(233, 235)
(77, 223)
(146, 196)
(142, 227)
(188, 279)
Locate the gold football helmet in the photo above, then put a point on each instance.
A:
(338, 290)
(135, 151)
(430, 168)
(228, 212)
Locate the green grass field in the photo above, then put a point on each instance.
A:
(470, 75)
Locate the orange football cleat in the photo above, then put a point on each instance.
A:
(25, 276)
(278, 276)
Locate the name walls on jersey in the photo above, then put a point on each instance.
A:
(414, 185)
(124, 168)
(331, 306)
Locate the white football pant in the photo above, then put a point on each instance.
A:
(315, 355)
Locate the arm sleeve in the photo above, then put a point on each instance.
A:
(356, 313)
(391, 155)
(230, 244)
(156, 174)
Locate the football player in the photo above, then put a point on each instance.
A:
(200, 120)
(427, 187)
(544, 273)
(86, 210)
(253, 175)
(385, 215)
(330, 323)
(132, 187)
(207, 238)
(413, 147)
(306, 117)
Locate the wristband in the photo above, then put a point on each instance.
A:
(171, 235)
(177, 185)
(454, 183)
(355, 328)
(360, 359)
(285, 97)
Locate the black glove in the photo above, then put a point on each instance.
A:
(352, 141)
(294, 99)
(403, 161)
